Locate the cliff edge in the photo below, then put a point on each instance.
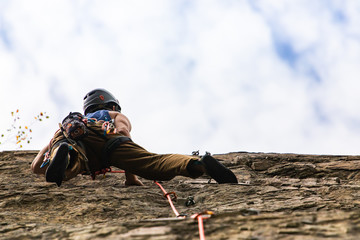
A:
(279, 196)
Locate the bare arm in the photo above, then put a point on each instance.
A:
(38, 160)
(122, 123)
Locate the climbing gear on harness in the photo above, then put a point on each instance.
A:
(46, 159)
(217, 171)
(74, 125)
(98, 99)
(109, 127)
(56, 170)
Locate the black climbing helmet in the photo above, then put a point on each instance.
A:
(98, 99)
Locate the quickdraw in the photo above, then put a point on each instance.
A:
(167, 195)
(171, 193)
(46, 160)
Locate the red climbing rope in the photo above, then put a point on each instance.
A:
(104, 171)
(167, 195)
(117, 171)
(201, 227)
(198, 216)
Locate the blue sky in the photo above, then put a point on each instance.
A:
(218, 76)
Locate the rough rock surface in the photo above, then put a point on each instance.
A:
(280, 196)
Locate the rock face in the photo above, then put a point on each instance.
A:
(280, 196)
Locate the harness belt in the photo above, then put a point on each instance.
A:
(109, 147)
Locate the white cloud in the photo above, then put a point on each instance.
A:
(211, 75)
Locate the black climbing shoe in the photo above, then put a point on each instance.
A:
(195, 168)
(56, 170)
(217, 171)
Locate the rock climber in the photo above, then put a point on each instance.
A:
(92, 142)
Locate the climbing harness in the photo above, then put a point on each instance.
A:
(75, 127)
(109, 147)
